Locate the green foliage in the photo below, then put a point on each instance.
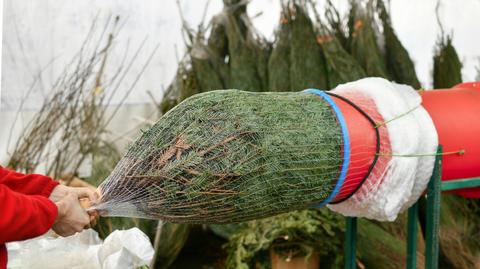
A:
(363, 41)
(336, 24)
(307, 63)
(279, 62)
(217, 47)
(447, 68)
(297, 233)
(247, 52)
(170, 243)
(398, 61)
(205, 67)
(226, 231)
(459, 225)
(234, 56)
(378, 248)
(341, 66)
(184, 85)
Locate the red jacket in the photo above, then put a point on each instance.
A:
(25, 210)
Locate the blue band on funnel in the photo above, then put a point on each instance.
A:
(346, 144)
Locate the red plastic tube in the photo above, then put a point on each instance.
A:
(456, 115)
(362, 148)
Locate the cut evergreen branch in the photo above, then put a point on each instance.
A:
(459, 222)
(300, 233)
(381, 249)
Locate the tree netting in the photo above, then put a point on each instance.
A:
(398, 61)
(447, 68)
(279, 61)
(363, 41)
(307, 62)
(405, 128)
(229, 156)
(247, 51)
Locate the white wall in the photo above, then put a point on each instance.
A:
(35, 32)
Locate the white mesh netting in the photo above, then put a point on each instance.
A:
(399, 177)
(229, 156)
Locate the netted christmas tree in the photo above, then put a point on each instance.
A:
(447, 68)
(363, 40)
(248, 51)
(307, 62)
(229, 156)
(279, 61)
(398, 61)
(341, 67)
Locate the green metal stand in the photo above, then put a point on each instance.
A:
(433, 214)
(435, 186)
(350, 243)
(412, 227)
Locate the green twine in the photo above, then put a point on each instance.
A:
(396, 117)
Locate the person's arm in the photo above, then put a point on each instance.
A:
(24, 216)
(32, 204)
(32, 184)
(35, 184)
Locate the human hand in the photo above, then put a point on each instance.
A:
(71, 216)
(61, 191)
(86, 195)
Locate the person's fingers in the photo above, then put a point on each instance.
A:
(93, 217)
(66, 233)
(79, 229)
(83, 224)
(84, 218)
(84, 192)
(98, 194)
(85, 203)
(93, 221)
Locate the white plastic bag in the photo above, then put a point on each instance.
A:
(121, 249)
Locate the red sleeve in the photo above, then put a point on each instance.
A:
(24, 216)
(27, 184)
